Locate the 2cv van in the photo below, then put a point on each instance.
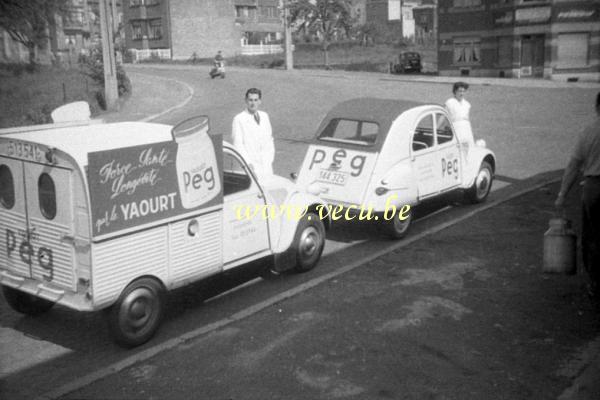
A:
(112, 216)
(384, 155)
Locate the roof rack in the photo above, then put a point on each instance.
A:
(42, 127)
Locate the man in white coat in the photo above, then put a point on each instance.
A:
(253, 137)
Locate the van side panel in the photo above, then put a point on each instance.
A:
(119, 261)
(199, 255)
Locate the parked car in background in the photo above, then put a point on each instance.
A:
(389, 154)
(408, 61)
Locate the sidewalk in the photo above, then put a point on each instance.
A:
(465, 313)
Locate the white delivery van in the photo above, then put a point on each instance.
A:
(112, 216)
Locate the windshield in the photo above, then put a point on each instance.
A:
(349, 131)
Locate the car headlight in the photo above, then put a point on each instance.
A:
(314, 189)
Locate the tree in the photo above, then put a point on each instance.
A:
(30, 22)
(327, 19)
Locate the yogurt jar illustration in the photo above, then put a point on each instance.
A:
(197, 170)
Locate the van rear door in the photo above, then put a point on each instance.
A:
(39, 228)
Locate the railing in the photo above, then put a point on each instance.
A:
(138, 55)
(255, 49)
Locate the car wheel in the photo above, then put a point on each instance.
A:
(135, 317)
(480, 189)
(26, 303)
(309, 242)
(397, 228)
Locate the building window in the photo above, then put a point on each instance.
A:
(267, 11)
(137, 3)
(466, 3)
(573, 50)
(136, 30)
(155, 29)
(245, 12)
(467, 51)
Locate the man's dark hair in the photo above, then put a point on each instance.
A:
(254, 91)
(458, 85)
(598, 100)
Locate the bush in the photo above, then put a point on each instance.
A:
(93, 66)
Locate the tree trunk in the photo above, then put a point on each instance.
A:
(326, 54)
(31, 49)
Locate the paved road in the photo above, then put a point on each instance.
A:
(525, 126)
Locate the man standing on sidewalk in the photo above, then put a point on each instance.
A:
(586, 158)
(253, 137)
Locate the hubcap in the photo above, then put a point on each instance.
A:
(137, 309)
(482, 182)
(401, 225)
(309, 242)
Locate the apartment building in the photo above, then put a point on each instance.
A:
(199, 28)
(554, 39)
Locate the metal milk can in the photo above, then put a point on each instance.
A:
(560, 247)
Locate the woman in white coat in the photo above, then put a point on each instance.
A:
(458, 108)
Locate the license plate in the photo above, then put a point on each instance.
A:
(336, 178)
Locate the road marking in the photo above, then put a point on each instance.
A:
(168, 110)
(174, 342)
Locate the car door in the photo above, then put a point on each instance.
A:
(245, 228)
(449, 153)
(425, 158)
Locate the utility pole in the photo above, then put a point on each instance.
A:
(289, 57)
(111, 93)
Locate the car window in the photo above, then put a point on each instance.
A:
(423, 137)
(7, 187)
(235, 176)
(345, 130)
(444, 129)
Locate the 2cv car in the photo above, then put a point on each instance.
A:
(384, 155)
(112, 216)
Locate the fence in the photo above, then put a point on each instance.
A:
(256, 49)
(145, 54)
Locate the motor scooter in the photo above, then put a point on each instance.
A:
(218, 69)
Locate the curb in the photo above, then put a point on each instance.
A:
(483, 81)
(253, 309)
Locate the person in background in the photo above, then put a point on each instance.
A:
(458, 108)
(219, 57)
(252, 135)
(585, 159)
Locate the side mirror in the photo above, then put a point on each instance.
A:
(293, 175)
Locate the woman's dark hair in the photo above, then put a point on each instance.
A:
(254, 91)
(598, 100)
(458, 85)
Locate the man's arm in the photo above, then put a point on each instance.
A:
(572, 171)
(270, 145)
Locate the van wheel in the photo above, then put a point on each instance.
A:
(397, 228)
(309, 242)
(26, 303)
(480, 189)
(135, 317)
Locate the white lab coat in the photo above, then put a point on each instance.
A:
(255, 142)
(459, 115)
